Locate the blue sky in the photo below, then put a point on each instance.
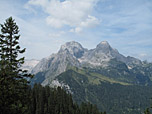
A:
(47, 24)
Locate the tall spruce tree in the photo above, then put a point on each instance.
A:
(13, 80)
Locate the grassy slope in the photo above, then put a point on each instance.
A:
(96, 78)
(110, 95)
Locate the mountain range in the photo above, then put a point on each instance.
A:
(103, 57)
(87, 73)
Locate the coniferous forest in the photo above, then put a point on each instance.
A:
(46, 100)
(16, 95)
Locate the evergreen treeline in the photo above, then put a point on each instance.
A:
(46, 100)
(13, 80)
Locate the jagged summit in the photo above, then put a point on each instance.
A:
(72, 44)
(104, 47)
(103, 43)
(74, 48)
(102, 54)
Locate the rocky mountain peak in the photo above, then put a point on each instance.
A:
(71, 45)
(104, 46)
(103, 43)
(74, 48)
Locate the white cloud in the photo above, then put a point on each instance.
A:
(91, 21)
(76, 30)
(73, 13)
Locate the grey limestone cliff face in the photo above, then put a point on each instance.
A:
(68, 54)
(58, 63)
(103, 53)
(74, 49)
(131, 61)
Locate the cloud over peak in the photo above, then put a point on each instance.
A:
(73, 13)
